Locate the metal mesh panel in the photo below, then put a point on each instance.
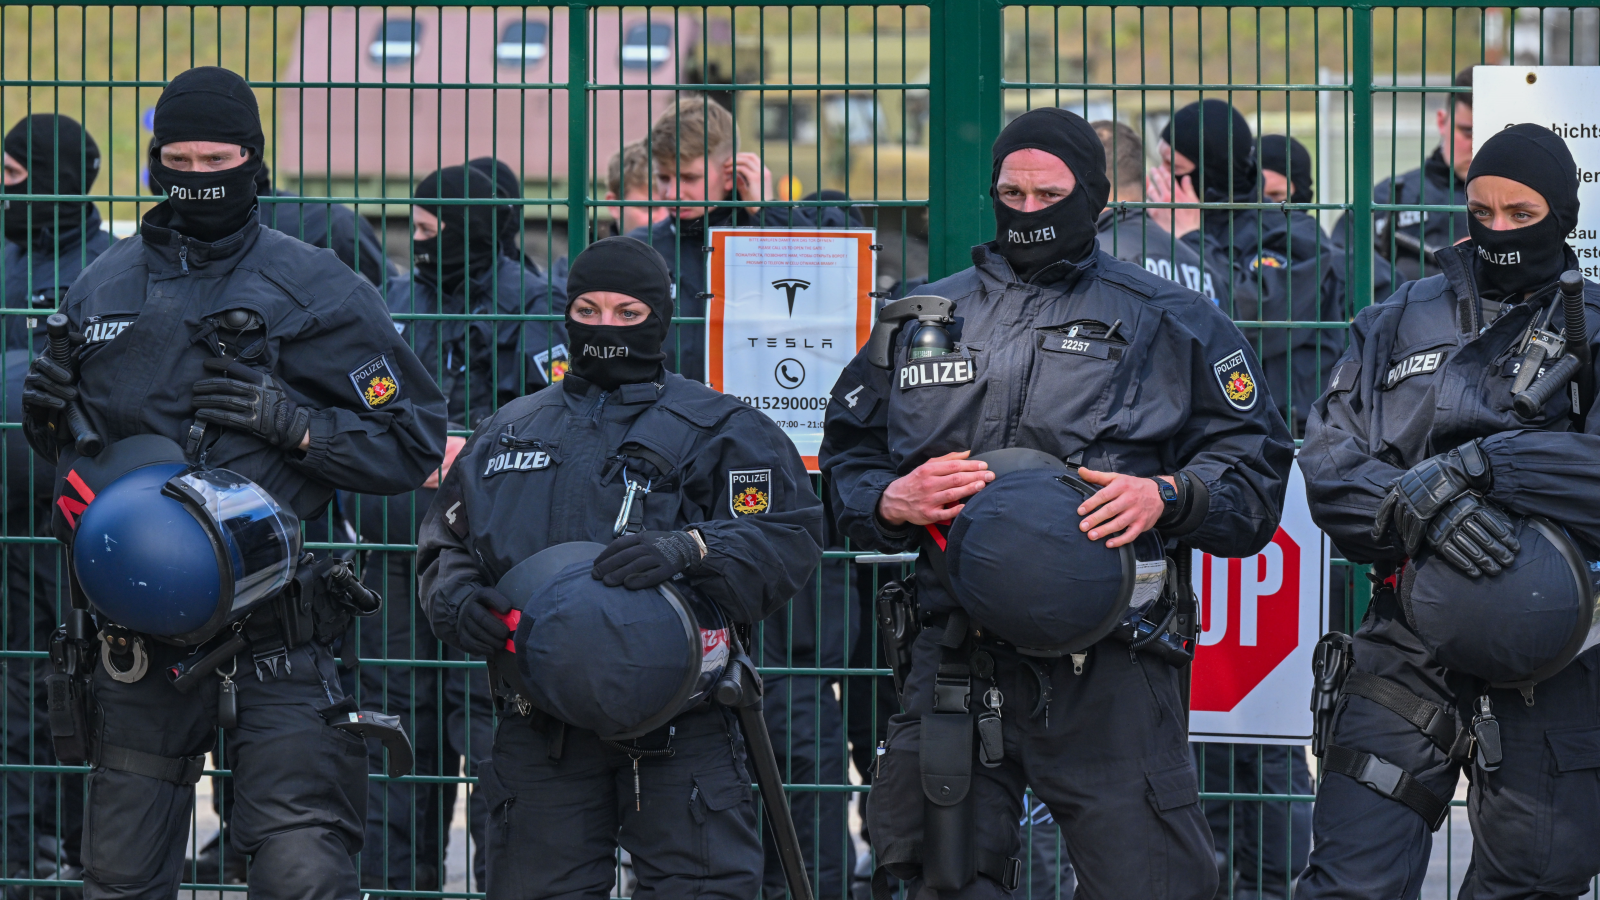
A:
(891, 106)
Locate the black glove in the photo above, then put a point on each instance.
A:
(1474, 531)
(479, 626)
(49, 386)
(252, 402)
(639, 561)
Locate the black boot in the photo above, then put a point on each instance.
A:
(50, 863)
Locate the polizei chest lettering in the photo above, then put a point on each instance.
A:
(178, 192)
(923, 372)
(516, 461)
(1415, 364)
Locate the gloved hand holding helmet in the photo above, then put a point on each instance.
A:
(252, 402)
(1441, 501)
(640, 561)
(480, 625)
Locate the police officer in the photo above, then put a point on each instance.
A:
(1278, 265)
(1285, 169)
(48, 242)
(330, 225)
(1407, 240)
(1128, 233)
(1417, 440)
(257, 353)
(1177, 410)
(617, 419)
(467, 262)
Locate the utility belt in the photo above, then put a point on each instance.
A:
(318, 605)
(1477, 743)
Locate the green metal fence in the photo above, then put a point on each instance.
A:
(893, 105)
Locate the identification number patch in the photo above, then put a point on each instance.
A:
(924, 372)
(1415, 364)
(376, 383)
(1059, 343)
(749, 491)
(1238, 385)
(516, 461)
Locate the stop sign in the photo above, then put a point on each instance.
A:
(1260, 618)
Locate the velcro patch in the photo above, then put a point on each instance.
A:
(749, 491)
(939, 370)
(1344, 376)
(1055, 342)
(376, 383)
(1423, 363)
(99, 329)
(516, 461)
(1238, 385)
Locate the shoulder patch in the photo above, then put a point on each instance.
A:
(1270, 260)
(553, 363)
(376, 382)
(1233, 376)
(749, 491)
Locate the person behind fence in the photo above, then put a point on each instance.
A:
(1408, 240)
(1272, 265)
(627, 178)
(468, 261)
(682, 490)
(47, 242)
(1128, 233)
(694, 146)
(1036, 424)
(1454, 451)
(221, 365)
(1286, 175)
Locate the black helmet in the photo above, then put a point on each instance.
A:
(1514, 629)
(620, 663)
(174, 551)
(1021, 567)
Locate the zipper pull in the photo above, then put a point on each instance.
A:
(183, 256)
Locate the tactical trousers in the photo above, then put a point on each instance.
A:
(300, 785)
(555, 823)
(1534, 820)
(1106, 754)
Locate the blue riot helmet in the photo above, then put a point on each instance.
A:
(1514, 629)
(618, 662)
(1023, 570)
(179, 553)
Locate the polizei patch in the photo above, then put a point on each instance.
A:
(376, 383)
(1415, 364)
(516, 461)
(923, 372)
(749, 491)
(99, 329)
(1238, 385)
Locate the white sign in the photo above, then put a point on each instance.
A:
(1260, 619)
(1562, 99)
(788, 311)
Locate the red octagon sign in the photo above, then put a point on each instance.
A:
(1249, 620)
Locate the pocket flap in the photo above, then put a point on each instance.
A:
(721, 790)
(1174, 788)
(1575, 748)
(946, 757)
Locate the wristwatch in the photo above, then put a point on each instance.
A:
(1169, 494)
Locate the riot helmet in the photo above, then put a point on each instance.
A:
(1021, 568)
(618, 662)
(179, 552)
(1514, 629)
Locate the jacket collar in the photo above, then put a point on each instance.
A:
(1437, 170)
(1061, 275)
(168, 253)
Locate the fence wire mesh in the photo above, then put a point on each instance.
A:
(871, 114)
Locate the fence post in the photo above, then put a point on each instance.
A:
(1361, 129)
(964, 116)
(577, 127)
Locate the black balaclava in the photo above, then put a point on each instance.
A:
(468, 239)
(207, 104)
(1289, 158)
(1523, 259)
(61, 158)
(1216, 138)
(509, 187)
(614, 355)
(1064, 230)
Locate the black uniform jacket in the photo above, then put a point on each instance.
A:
(150, 307)
(483, 363)
(38, 273)
(1176, 387)
(1418, 380)
(549, 468)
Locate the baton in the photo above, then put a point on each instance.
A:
(88, 443)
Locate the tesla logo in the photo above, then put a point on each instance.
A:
(1250, 622)
(789, 286)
